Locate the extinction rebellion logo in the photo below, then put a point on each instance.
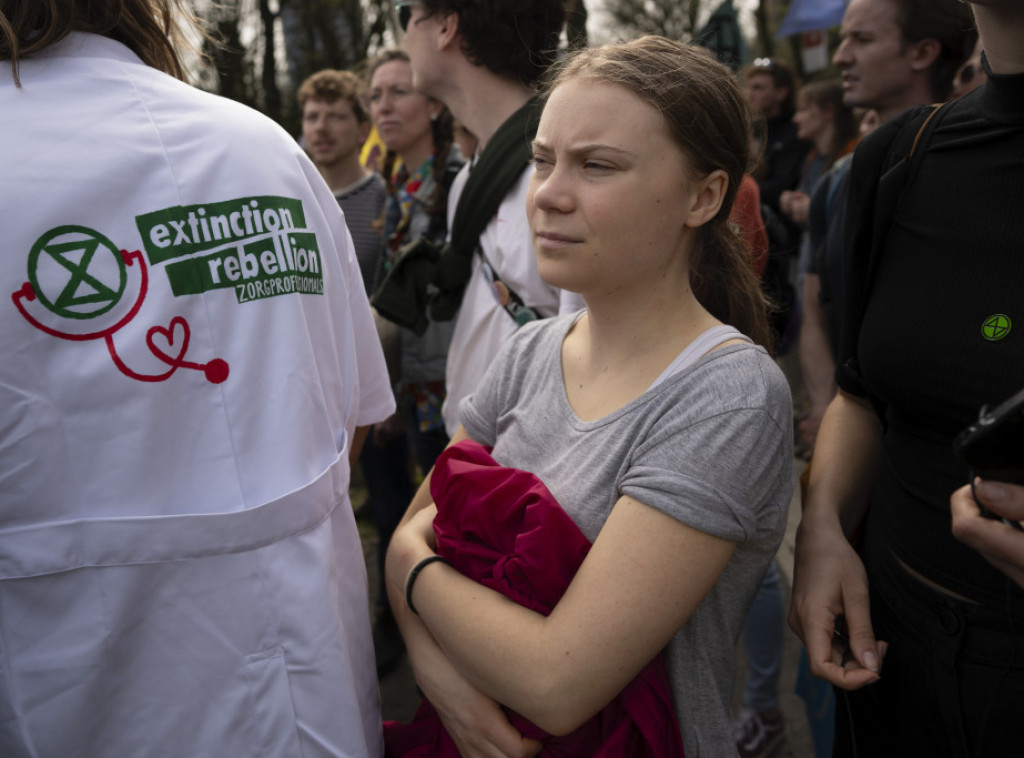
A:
(81, 286)
(257, 246)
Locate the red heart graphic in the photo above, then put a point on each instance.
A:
(170, 337)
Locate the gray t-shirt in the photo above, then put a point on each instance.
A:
(712, 446)
(362, 204)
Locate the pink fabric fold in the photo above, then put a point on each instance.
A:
(504, 529)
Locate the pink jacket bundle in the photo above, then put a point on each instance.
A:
(504, 529)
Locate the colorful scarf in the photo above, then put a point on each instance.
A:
(402, 191)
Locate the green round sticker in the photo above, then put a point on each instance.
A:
(996, 327)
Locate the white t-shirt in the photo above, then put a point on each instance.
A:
(483, 324)
(187, 352)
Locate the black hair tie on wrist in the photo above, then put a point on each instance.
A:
(415, 572)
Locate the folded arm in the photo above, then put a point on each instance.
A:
(475, 721)
(642, 580)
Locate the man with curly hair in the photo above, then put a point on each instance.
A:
(335, 125)
(483, 58)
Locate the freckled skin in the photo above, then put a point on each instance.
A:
(609, 180)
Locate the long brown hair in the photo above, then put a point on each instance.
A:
(707, 115)
(155, 30)
(442, 132)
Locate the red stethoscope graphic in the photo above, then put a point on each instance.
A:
(168, 344)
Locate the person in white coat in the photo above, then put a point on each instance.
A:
(189, 365)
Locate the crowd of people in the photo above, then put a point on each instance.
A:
(546, 327)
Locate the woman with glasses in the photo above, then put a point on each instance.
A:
(420, 163)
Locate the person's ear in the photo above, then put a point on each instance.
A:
(706, 198)
(924, 53)
(364, 131)
(447, 30)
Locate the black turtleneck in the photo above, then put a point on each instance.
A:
(953, 260)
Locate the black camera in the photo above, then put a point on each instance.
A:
(993, 447)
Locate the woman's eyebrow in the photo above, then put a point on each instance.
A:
(582, 149)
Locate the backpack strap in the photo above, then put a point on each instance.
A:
(901, 165)
(491, 178)
(883, 167)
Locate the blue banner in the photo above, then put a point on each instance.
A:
(810, 15)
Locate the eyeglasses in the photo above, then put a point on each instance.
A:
(764, 63)
(404, 8)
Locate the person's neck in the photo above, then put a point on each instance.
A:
(416, 155)
(650, 328)
(343, 174)
(485, 101)
(919, 93)
(825, 143)
(1002, 29)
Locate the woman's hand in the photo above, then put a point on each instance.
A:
(830, 585)
(795, 205)
(830, 591)
(474, 721)
(999, 543)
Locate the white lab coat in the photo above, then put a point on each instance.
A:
(187, 351)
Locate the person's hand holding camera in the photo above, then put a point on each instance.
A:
(999, 543)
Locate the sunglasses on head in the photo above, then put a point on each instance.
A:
(765, 64)
(404, 8)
